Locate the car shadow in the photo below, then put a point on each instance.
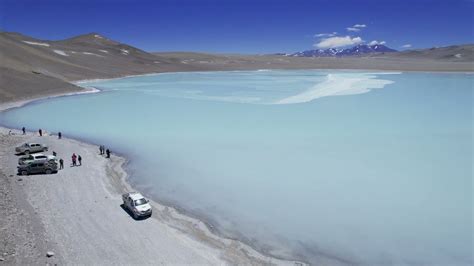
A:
(140, 218)
(22, 153)
(53, 173)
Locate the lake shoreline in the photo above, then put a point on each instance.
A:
(201, 231)
(355, 70)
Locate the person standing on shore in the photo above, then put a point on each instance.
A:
(108, 153)
(79, 158)
(74, 157)
(61, 164)
(40, 132)
(60, 135)
(24, 130)
(101, 149)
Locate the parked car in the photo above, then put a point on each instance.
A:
(28, 148)
(38, 157)
(136, 204)
(38, 168)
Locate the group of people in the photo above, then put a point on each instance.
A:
(76, 158)
(40, 132)
(103, 151)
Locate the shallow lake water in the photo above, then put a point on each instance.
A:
(334, 167)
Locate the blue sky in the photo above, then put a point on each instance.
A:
(231, 26)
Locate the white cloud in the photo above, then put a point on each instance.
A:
(375, 42)
(325, 34)
(356, 27)
(406, 46)
(353, 29)
(334, 42)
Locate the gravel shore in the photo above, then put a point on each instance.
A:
(76, 214)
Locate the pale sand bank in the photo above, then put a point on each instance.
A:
(76, 213)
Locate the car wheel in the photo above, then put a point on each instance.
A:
(27, 152)
(24, 173)
(135, 216)
(48, 172)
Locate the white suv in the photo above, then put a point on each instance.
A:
(136, 204)
(36, 158)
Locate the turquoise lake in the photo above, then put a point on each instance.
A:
(331, 167)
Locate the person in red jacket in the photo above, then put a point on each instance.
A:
(74, 157)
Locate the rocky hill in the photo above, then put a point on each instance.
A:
(29, 65)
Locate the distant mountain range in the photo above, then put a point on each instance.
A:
(31, 67)
(358, 50)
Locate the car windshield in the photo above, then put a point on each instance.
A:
(140, 202)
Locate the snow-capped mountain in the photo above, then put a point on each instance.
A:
(318, 53)
(360, 49)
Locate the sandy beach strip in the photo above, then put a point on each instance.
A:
(77, 214)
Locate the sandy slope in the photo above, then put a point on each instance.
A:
(77, 214)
